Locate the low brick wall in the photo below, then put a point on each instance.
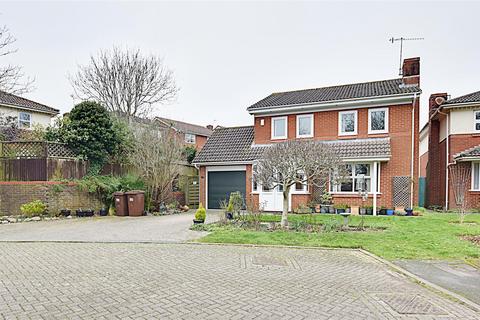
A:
(56, 195)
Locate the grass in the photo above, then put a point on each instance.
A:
(431, 236)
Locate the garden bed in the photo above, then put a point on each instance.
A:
(474, 239)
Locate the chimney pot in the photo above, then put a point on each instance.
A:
(433, 101)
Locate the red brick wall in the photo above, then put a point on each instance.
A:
(423, 164)
(56, 195)
(200, 142)
(203, 181)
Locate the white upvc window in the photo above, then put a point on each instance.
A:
(24, 120)
(347, 123)
(279, 128)
(378, 120)
(189, 138)
(476, 119)
(305, 126)
(475, 176)
(299, 186)
(354, 171)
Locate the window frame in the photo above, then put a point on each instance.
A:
(190, 135)
(300, 116)
(475, 121)
(370, 111)
(333, 188)
(273, 137)
(20, 120)
(472, 183)
(340, 114)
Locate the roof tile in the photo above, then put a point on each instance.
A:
(13, 100)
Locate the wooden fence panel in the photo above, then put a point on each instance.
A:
(23, 170)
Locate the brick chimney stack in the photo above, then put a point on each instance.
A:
(411, 71)
(435, 100)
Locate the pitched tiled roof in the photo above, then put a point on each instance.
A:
(229, 144)
(16, 101)
(342, 92)
(472, 152)
(186, 127)
(471, 97)
(236, 145)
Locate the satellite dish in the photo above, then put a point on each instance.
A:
(439, 100)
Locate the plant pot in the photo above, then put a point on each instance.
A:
(331, 209)
(363, 211)
(80, 213)
(324, 209)
(229, 215)
(409, 212)
(195, 221)
(390, 212)
(65, 212)
(102, 212)
(89, 213)
(340, 211)
(348, 210)
(369, 211)
(318, 209)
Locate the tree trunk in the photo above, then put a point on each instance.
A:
(284, 222)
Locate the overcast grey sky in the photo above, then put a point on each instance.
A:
(227, 56)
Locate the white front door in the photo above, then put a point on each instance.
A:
(271, 199)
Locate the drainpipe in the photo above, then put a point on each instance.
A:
(375, 187)
(412, 163)
(447, 160)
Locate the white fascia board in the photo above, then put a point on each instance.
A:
(229, 163)
(337, 105)
(13, 106)
(226, 168)
(462, 105)
(357, 159)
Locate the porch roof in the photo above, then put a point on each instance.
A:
(468, 154)
(235, 145)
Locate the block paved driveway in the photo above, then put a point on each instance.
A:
(171, 228)
(42, 280)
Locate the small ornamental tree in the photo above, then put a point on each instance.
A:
(288, 163)
(459, 177)
(89, 131)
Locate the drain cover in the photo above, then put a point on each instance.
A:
(408, 304)
(267, 262)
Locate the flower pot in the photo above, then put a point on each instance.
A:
(390, 212)
(229, 215)
(331, 209)
(318, 208)
(409, 212)
(324, 209)
(369, 211)
(195, 221)
(340, 211)
(348, 210)
(89, 213)
(102, 212)
(363, 211)
(80, 213)
(65, 212)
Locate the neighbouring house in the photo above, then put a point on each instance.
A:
(26, 112)
(373, 125)
(453, 140)
(191, 134)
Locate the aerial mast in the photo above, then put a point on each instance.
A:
(401, 39)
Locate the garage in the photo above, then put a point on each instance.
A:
(221, 183)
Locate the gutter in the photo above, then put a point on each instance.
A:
(334, 103)
(56, 112)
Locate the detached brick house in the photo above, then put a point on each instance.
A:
(453, 140)
(374, 127)
(190, 134)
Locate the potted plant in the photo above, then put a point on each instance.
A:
(80, 213)
(102, 212)
(326, 203)
(313, 206)
(409, 211)
(200, 215)
(381, 211)
(363, 210)
(390, 212)
(65, 212)
(369, 210)
(303, 209)
(341, 208)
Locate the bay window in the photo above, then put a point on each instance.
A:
(355, 171)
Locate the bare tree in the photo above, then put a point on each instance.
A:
(12, 78)
(156, 157)
(307, 162)
(459, 178)
(125, 82)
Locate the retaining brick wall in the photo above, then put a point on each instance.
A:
(56, 195)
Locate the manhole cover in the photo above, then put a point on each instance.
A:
(408, 304)
(267, 262)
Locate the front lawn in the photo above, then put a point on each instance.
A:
(431, 236)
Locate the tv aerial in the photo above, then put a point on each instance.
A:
(401, 39)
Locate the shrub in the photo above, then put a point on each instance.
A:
(189, 153)
(201, 213)
(235, 203)
(331, 225)
(34, 208)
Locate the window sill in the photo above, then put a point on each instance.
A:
(304, 137)
(378, 133)
(352, 194)
(278, 138)
(347, 134)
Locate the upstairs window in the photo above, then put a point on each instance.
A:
(24, 120)
(305, 126)
(378, 120)
(476, 175)
(477, 120)
(347, 123)
(189, 138)
(279, 128)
